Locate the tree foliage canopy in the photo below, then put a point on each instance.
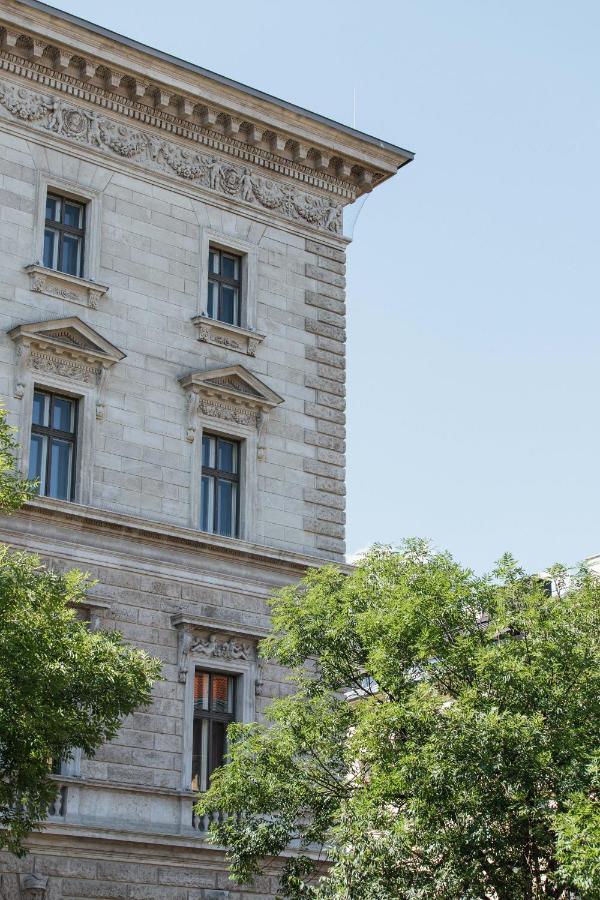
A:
(61, 685)
(439, 740)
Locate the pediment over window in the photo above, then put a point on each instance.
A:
(65, 347)
(232, 394)
(233, 384)
(68, 337)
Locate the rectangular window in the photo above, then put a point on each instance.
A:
(224, 286)
(64, 232)
(53, 444)
(214, 705)
(219, 494)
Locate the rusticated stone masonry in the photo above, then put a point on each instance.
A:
(327, 378)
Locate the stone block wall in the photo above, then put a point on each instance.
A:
(149, 247)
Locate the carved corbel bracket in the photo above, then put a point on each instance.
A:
(65, 287)
(231, 337)
(192, 415)
(33, 887)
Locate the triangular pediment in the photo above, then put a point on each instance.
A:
(233, 382)
(68, 335)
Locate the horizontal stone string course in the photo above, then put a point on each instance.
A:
(51, 113)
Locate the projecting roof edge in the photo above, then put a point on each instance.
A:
(404, 155)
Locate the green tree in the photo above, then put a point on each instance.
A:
(439, 726)
(61, 686)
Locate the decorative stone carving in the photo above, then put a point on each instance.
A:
(54, 114)
(231, 337)
(65, 287)
(185, 640)
(213, 645)
(66, 368)
(151, 102)
(231, 394)
(68, 348)
(259, 681)
(192, 416)
(228, 413)
(33, 887)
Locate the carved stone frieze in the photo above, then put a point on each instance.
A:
(65, 287)
(134, 96)
(211, 645)
(53, 114)
(227, 412)
(65, 367)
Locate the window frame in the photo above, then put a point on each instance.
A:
(224, 281)
(62, 229)
(85, 193)
(211, 717)
(217, 474)
(246, 673)
(52, 434)
(248, 253)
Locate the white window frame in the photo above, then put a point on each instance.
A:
(249, 273)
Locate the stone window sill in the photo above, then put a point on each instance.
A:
(65, 287)
(231, 337)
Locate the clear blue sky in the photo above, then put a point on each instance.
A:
(473, 298)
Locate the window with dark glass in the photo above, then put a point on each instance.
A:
(219, 494)
(224, 286)
(53, 444)
(64, 232)
(214, 705)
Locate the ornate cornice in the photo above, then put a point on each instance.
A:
(188, 115)
(50, 113)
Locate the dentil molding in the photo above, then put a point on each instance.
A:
(141, 97)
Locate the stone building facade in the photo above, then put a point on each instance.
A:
(172, 350)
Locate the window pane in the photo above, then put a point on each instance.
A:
(71, 254)
(63, 414)
(53, 208)
(208, 451)
(37, 460)
(73, 215)
(50, 248)
(213, 262)
(213, 299)
(207, 503)
(227, 456)
(229, 304)
(221, 695)
(218, 745)
(226, 508)
(230, 265)
(201, 680)
(200, 755)
(61, 454)
(41, 406)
